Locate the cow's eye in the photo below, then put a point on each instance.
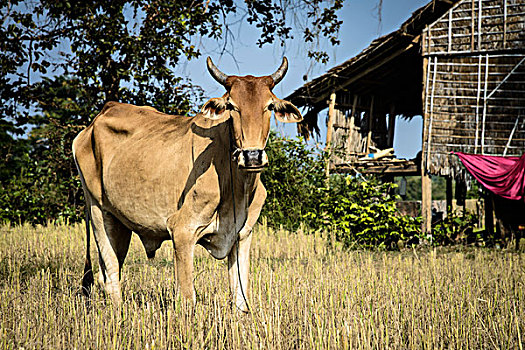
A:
(270, 107)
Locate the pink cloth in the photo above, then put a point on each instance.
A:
(504, 176)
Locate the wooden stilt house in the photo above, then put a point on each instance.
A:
(458, 64)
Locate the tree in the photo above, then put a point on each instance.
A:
(126, 49)
(61, 60)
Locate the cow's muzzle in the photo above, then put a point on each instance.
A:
(252, 159)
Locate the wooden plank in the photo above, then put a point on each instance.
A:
(401, 168)
(424, 41)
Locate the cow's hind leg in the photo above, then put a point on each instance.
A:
(112, 239)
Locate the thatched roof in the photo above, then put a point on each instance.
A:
(390, 68)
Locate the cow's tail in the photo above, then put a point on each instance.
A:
(87, 280)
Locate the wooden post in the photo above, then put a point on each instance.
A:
(391, 125)
(330, 126)
(504, 23)
(370, 124)
(426, 202)
(426, 183)
(449, 195)
(489, 218)
(472, 15)
(480, 13)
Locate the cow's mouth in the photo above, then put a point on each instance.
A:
(253, 169)
(252, 160)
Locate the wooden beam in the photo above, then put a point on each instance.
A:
(381, 167)
(330, 126)
(381, 170)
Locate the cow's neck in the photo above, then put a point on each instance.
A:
(244, 182)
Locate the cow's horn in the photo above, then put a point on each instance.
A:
(281, 72)
(215, 72)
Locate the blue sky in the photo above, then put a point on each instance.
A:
(360, 27)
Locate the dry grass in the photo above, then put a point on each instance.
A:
(305, 295)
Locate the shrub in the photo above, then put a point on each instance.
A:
(37, 195)
(355, 210)
(454, 228)
(362, 212)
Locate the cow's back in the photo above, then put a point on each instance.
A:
(135, 161)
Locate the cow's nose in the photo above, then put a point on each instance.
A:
(253, 157)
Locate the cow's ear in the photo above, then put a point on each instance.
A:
(285, 111)
(215, 109)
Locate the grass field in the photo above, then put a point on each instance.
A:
(305, 295)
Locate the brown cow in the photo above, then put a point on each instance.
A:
(185, 179)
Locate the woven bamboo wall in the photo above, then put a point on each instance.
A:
(351, 125)
(473, 104)
(474, 85)
(476, 26)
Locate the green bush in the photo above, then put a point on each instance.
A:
(356, 211)
(37, 195)
(363, 212)
(293, 180)
(456, 227)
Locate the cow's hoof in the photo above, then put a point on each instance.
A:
(242, 307)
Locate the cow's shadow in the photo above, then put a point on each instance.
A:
(217, 153)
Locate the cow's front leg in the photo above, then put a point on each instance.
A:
(239, 257)
(184, 262)
(239, 266)
(183, 229)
